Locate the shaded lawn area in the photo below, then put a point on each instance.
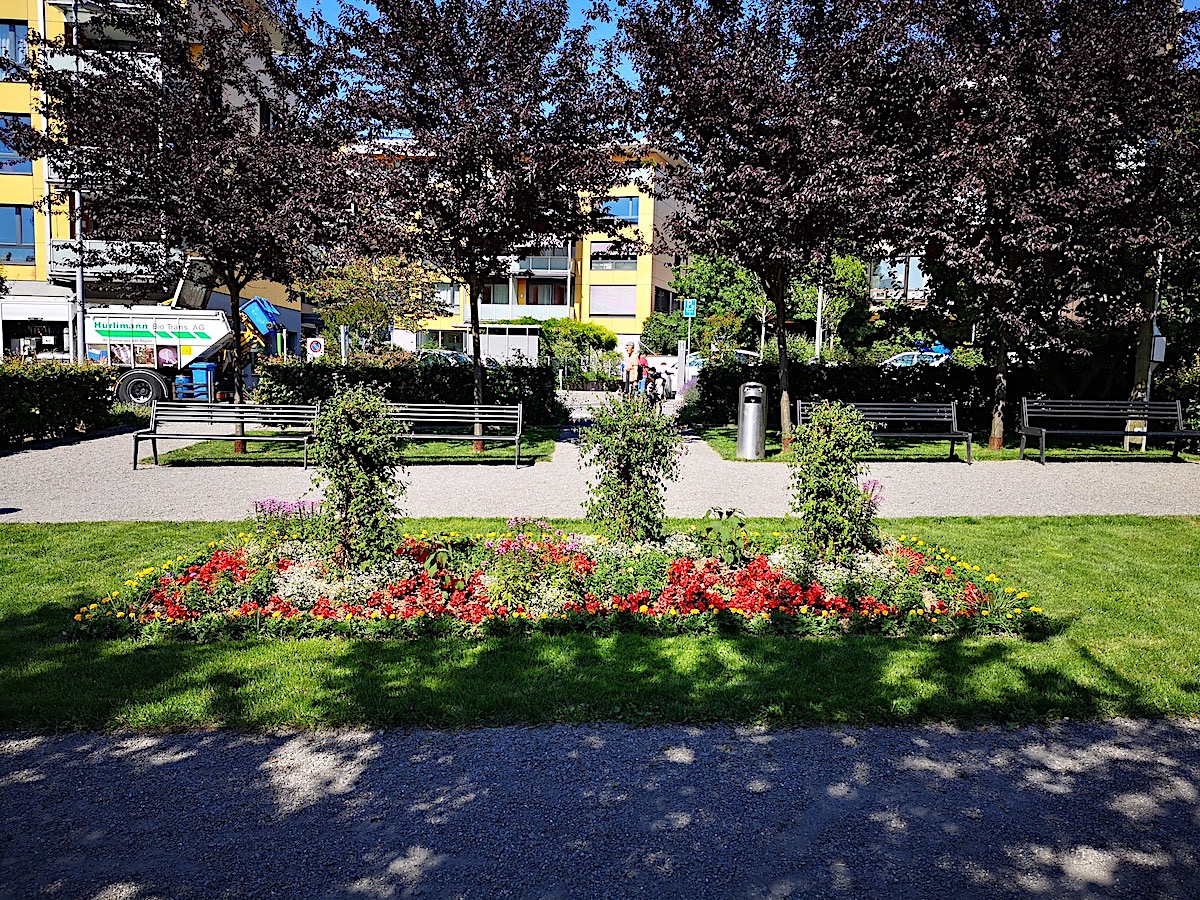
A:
(723, 439)
(537, 445)
(1122, 589)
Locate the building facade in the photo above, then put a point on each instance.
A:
(586, 279)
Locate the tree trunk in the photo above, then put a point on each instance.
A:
(779, 292)
(996, 438)
(474, 288)
(239, 364)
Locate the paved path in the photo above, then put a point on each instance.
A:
(93, 480)
(1100, 810)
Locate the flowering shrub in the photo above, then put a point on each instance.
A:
(536, 578)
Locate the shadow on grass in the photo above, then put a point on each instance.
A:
(52, 682)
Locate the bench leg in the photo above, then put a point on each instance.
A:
(1022, 454)
(154, 449)
(306, 455)
(1043, 447)
(968, 450)
(135, 450)
(517, 461)
(952, 450)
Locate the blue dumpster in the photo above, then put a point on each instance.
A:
(184, 388)
(204, 376)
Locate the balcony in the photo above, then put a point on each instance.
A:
(64, 260)
(495, 312)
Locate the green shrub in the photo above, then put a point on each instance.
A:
(634, 449)
(968, 356)
(837, 514)
(359, 450)
(43, 400)
(401, 379)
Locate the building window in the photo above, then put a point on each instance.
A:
(546, 293)
(604, 259)
(16, 235)
(664, 301)
(547, 259)
(14, 37)
(447, 297)
(899, 279)
(613, 300)
(495, 294)
(11, 162)
(623, 209)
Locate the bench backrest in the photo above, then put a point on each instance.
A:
(1084, 410)
(447, 415)
(896, 413)
(270, 415)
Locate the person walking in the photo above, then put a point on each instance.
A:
(643, 369)
(629, 369)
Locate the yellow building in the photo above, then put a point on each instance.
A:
(580, 279)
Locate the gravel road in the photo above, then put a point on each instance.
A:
(1074, 810)
(93, 480)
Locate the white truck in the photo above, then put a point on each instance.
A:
(151, 344)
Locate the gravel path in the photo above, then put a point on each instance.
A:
(1099, 810)
(93, 480)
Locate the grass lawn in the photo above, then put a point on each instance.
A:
(723, 439)
(537, 445)
(1124, 591)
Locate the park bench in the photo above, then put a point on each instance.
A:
(448, 422)
(1101, 418)
(172, 420)
(941, 417)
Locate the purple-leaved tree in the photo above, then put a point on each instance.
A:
(488, 129)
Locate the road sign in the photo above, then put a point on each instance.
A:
(689, 307)
(314, 346)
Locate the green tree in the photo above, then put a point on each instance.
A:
(662, 333)
(723, 288)
(846, 283)
(372, 295)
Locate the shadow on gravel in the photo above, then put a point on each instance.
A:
(605, 811)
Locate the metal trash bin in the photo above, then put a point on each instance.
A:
(752, 421)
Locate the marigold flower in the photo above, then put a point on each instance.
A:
(78, 617)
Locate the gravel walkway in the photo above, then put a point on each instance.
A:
(93, 480)
(1101, 810)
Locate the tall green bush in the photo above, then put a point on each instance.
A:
(634, 451)
(359, 452)
(837, 513)
(43, 400)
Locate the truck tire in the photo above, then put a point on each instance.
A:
(141, 387)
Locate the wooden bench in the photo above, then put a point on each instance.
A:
(172, 420)
(1101, 418)
(940, 416)
(447, 422)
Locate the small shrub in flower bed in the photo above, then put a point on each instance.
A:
(533, 578)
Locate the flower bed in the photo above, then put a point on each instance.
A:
(274, 582)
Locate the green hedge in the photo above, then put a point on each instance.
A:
(713, 399)
(406, 381)
(42, 400)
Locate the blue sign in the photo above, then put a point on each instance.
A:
(689, 307)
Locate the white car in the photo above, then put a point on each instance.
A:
(915, 358)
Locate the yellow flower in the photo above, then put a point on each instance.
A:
(78, 617)
(920, 543)
(92, 606)
(1009, 590)
(904, 537)
(1008, 616)
(985, 613)
(1035, 609)
(643, 608)
(1022, 595)
(954, 559)
(120, 615)
(1017, 611)
(933, 618)
(992, 577)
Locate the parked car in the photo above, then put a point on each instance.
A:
(435, 358)
(915, 358)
